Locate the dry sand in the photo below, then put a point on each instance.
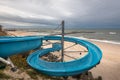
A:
(72, 51)
(109, 67)
(21, 33)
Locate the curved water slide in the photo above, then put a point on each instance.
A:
(90, 60)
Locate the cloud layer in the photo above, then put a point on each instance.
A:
(49, 13)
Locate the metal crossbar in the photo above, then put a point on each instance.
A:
(70, 56)
(75, 51)
(70, 46)
(50, 43)
(59, 27)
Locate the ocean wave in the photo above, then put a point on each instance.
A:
(112, 33)
(105, 41)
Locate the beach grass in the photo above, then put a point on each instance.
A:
(33, 74)
(37, 75)
(20, 61)
(4, 76)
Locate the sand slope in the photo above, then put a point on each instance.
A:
(109, 68)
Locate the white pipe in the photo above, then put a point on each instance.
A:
(4, 61)
(12, 65)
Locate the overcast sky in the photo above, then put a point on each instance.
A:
(49, 13)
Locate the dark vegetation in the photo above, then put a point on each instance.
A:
(51, 58)
(20, 61)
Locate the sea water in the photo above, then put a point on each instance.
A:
(101, 35)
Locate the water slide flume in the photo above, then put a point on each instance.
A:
(91, 59)
(14, 45)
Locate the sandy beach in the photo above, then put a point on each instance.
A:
(109, 67)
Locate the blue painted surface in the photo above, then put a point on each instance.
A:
(13, 45)
(65, 68)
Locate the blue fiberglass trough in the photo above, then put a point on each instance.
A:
(12, 45)
(65, 68)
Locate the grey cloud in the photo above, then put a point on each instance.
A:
(76, 13)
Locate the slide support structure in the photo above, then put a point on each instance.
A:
(62, 42)
(8, 62)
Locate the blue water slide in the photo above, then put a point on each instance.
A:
(91, 59)
(13, 45)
